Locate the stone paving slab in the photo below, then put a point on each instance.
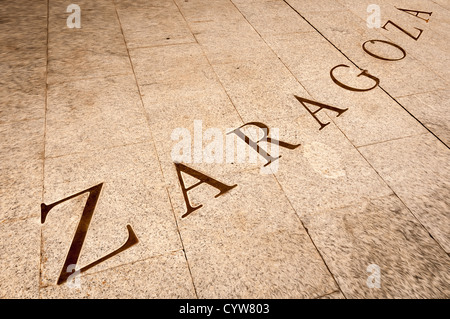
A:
(224, 149)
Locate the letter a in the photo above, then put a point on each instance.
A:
(321, 106)
(417, 13)
(203, 179)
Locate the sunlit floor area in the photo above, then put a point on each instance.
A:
(225, 149)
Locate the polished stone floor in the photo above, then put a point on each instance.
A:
(357, 206)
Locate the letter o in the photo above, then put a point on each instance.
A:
(379, 57)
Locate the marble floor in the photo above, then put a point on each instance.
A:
(140, 144)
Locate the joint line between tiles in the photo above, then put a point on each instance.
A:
(404, 204)
(279, 184)
(394, 139)
(412, 54)
(387, 184)
(182, 244)
(383, 141)
(328, 294)
(393, 98)
(43, 153)
(121, 265)
(285, 1)
(310, 238)
(147, 116)
(209, 62)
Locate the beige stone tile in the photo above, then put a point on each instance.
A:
(23, 92)
(21, 199)
(408, 21)
(179, 87)
(11, 8)
(19, 259)
(389, 9)
(99, 25)
(348, 30)
(248, 243)
(337, 25)
(410, 75)
(438, 22)
(223, 32)
(133, 194)
(21, 145)
(91, 11)
(308, 56)
(215, 11)
(93, 114)
(82, 57)
(431, 49)
(184, 65)
(406, 77)
(420, 5)
(22, 67)
(430, 108)
(442, 3)
(416, 28)
(316, 6)
(160, 277)
(380, 232)
(23, 38)
(22, 100)
(272, 17)
(359, 8)
(417, 170)
(150, 24)
(21, 164)
(236, 157)
(216, 19)
(261, 89)
(326, 172)
(99, 21)
(222, 172)
(22, 74)
(97, 49)
(348, 33)
(237, 44)
(372, 116)
(180, 109)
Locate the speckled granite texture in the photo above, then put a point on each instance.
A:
(359, 208)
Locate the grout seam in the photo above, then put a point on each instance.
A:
(41, 244)
(154, 145)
